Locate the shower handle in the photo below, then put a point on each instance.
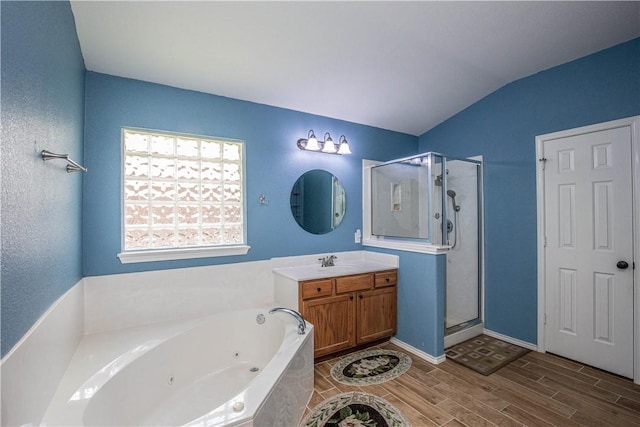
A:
(449, 226)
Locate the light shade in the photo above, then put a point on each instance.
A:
(329, 146)
(312, 142)
(344, 146)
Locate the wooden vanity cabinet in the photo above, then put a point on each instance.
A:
(349, 310)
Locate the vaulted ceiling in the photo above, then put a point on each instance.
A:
(403, 66)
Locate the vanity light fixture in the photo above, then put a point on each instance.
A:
(327, 146)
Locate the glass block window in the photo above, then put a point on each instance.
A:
(181, 191)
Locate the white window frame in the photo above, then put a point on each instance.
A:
(186, 252)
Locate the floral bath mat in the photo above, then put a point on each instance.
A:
(370, 367)
(355, 409)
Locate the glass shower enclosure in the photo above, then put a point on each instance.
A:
(436, 199)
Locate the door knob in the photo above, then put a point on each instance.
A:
(622, 265)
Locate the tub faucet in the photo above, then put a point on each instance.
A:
(327, 261)
(301, 323)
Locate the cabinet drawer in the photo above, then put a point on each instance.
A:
(316, 288)
(354, 283)
(386, 278)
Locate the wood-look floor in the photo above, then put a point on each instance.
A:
(535, 390)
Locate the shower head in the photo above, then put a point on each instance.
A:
(452, 194)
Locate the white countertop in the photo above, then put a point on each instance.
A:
(315, 271)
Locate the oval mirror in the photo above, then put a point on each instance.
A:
(318, 201)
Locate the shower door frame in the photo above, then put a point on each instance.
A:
(478, 160)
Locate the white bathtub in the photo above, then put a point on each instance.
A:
(223, 370)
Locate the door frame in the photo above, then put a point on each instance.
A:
(634, 124)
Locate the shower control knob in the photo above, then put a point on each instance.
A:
(622, 265)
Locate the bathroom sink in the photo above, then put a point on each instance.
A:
(315, 271)
(339, 269)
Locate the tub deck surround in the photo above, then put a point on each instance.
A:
(189, 372)
(32, 370)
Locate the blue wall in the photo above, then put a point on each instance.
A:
(421, 300)
(502, 127)
(273, 164)
(42, 108)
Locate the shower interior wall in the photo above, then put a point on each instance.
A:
(399, 204)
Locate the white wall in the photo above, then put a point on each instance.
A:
(131, 299)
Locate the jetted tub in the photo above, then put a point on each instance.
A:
(237, 368)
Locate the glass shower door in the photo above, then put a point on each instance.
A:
(462, 201)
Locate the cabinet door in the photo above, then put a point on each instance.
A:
(377, 314)
(333, 319)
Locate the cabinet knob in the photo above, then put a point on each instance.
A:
(319, 289)
(360, 296)
(387, 279)
(351, 297)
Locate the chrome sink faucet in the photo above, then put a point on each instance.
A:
(301, 323)
(327, 261)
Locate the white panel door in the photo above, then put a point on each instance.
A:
(588, 229)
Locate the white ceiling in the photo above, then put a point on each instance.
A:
(404, 66)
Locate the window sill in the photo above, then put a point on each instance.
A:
(129, 257)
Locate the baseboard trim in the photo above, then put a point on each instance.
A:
(421, 354)
(463, 335)
(511, 340)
